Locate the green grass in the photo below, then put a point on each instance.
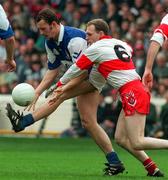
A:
(66, 159)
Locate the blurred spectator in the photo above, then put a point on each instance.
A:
(35, 70)
(139, 57)
(30, 46)
(137, 6)
(125, 12)
(76, 18)
(32, 31)
(130, 36)
(160, 71)
(19, 16)
(97, 11)
(85, 12)
(68, 12)
(114, 30)
(124, 28)
(159, 9)
(145, 14)
(141, 24)
(112, 13)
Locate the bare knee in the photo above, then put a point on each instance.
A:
(87, 123)
(120, 140)
(137, 144)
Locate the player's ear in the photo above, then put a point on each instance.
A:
(101, 33)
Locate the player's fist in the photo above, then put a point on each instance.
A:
(11, 65)
(147, 79)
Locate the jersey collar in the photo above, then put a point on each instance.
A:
(61, 34)
(105, 37)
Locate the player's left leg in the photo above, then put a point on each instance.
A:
(122, 139)
(135, 125)
(136, 101)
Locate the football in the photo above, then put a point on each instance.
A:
(23, 94)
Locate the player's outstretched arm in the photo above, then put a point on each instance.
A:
(147, 78)
(10, 46)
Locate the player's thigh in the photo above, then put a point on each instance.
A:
(121, 133)
(87, 105)
(135, 125)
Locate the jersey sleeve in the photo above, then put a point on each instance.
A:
(76, 47)
(5, 28)
(53, 62)
(161, 32)
(84, 62)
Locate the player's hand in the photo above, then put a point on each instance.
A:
(11, 65)
(33, 104)
(147, 79)
(56, 94)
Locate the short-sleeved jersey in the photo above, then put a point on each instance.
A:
(71, 42)
(5, 28)
(161, 32)
(113, 59)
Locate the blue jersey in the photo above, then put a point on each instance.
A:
(5, 28)
(70, 44)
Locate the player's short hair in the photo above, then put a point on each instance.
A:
(48, 16)
(100, 25)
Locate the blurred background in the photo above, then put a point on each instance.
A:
(131, 21)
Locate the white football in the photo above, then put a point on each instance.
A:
(23, 94)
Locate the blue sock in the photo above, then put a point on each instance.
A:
(27, 120)
(112, 158)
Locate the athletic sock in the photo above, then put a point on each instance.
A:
(112, 158)
(27, 120)
(150, 166)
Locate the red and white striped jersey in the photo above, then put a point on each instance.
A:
(161, 32)
(112, 58)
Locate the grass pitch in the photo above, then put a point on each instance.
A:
(66, 159)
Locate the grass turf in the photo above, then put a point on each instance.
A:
(66, 159)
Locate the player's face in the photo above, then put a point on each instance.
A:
(92, 35)
(47, 30)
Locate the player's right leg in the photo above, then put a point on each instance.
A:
(122, 139)
(87, 105)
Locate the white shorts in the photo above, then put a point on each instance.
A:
(96, 79)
